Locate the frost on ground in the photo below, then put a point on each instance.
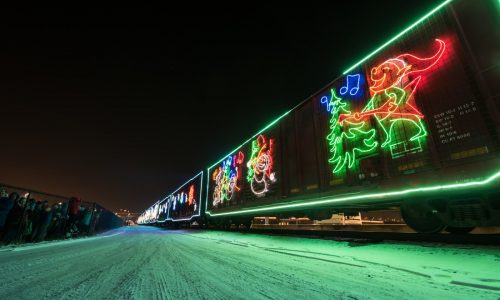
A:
(148, 263)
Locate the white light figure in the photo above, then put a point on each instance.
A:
(260, 166)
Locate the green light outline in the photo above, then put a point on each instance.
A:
(250, 171)
(334, 140)
(375, 195)
(397, 36)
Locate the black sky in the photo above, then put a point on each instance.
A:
(120, 106)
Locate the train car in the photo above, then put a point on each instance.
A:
(415, 124)
(183, 206)
(150, 215)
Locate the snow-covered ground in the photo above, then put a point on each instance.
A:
(147, 263)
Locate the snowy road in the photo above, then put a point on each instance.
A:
(146, 263)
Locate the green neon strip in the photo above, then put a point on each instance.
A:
(242, 144)
(206, 194)
(376, 195)
(398, 36)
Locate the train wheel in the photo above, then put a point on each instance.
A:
(227, 225)
(421, 218)
(247, 224)
(458, 230)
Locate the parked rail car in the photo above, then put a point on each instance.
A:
(184, 205)
(415, 124)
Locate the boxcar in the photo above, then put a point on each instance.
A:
(414, 124)
(184, 205)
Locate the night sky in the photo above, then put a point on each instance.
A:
(120, 106)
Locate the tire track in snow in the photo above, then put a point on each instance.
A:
(312, 257)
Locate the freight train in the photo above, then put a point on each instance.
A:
(414, 125)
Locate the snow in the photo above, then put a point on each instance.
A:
(148, 263)
(24, 247)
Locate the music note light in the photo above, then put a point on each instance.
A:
(354, 87)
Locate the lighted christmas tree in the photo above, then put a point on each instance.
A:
(347, 139)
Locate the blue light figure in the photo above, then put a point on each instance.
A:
(353, 86)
